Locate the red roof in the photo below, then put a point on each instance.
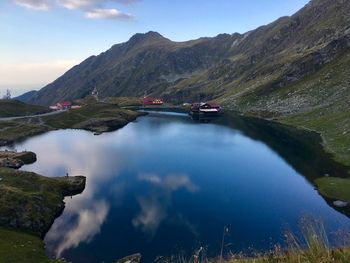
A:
(152, 101)
(64, 103)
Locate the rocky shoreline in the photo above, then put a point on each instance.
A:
(14, 159)
(97, 118)
(31, 202)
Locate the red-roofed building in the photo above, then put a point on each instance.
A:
(64, 105)
(152, 101)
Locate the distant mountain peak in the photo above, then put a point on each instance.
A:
(150, 35)
(274, 55)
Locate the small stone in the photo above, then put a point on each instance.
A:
(339, 203)
(135, 258)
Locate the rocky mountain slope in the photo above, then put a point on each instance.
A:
(295, 70)
(230, 67)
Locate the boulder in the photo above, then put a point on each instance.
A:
(135, 258)
(339, 203)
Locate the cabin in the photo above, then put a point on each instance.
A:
(206, 108)
(152, 101)
(62, 105)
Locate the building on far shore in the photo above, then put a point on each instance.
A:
(62, 105)
(152, 101)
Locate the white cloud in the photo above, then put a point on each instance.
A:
(153, 208)
(91, 8)
(41, 5)
(107, 13)
(89, 224)
(79, 4)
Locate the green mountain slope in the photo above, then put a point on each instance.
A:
(226, 66)
(295, 70)
(12, 108)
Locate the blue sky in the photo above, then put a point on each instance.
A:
(41, 39)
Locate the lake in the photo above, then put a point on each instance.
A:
(167, 185)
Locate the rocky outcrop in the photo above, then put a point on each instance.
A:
(12, 159)
(135, 258)
(32, 202)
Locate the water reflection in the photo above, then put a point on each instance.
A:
(165, 184)
(77, 226)
(154, 205)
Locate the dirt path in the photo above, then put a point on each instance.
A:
(32, 116)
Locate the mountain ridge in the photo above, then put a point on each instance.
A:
(295, 70)
(209, 67)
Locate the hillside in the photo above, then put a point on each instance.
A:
(12, 108)
(226, 66)
(294, 70)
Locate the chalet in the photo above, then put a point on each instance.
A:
(62, 105)
(152, 101)
(206, 108)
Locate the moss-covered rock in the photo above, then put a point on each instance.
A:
(31, 202)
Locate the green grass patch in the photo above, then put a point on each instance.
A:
(74, 117)
(31, 202)
(14, 108)
(21, 247)
(334, 188)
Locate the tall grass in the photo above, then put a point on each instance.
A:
(310, 246)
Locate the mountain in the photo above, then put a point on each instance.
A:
(295, 69)
(227, 66)
(14, 108)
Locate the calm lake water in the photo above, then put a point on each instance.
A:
(166, 184)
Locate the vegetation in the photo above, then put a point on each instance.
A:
(329, 87)
(97, 117)
(14, 108)
(31, 202)
(334, 188)
(311, 247)
(93, 116)
(16, 246)
(19, 130)
(314, 254)
(124, 101)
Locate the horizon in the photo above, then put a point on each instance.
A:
(26, 65)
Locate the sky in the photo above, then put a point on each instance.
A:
(41, 39)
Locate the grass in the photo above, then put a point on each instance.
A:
(311, 255)
(124, 101)
(15, 131)
(31, 202)
(311, 246)
(13, 108)
(318, 102)
(95, 116)
(16, 246)
(334, 188)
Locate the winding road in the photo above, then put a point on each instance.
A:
(32, 116)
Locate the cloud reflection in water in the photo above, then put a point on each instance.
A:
(101, 162)
(154, 206)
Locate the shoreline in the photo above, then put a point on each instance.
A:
(29, 205)
(97, 118)
(62, 180)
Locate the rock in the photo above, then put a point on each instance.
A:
(11, 163)
(135, 258)
(339, 203)
(12, 159)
